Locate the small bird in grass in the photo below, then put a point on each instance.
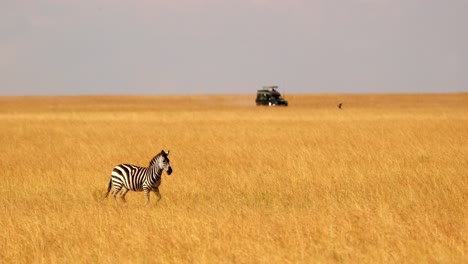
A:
(339, 105)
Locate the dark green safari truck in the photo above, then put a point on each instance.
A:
(270, 96)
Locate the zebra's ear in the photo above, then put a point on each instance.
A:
(163, 153)
(167, 153)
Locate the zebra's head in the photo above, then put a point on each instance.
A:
(164, 162)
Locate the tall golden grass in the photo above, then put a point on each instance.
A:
(383, 180)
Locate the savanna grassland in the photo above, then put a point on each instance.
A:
(383, 180)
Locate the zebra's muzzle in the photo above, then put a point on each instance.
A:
(169, 171)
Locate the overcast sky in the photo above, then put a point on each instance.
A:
(50, 47)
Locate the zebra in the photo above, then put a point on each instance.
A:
(127, 177)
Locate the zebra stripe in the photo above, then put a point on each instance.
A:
(128, 177)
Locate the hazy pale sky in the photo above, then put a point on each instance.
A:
(50, 47)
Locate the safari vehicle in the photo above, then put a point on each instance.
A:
(269, 95)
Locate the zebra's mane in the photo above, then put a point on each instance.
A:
(154, 160)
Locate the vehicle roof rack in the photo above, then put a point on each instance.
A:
(270, 87)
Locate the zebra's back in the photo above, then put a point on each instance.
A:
(130, 176)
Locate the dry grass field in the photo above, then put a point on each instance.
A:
(384, 180)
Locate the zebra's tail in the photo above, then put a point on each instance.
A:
(108, 188)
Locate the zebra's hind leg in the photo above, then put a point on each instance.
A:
(115, 192)
(123, 193)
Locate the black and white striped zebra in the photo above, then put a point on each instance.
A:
(127, 177)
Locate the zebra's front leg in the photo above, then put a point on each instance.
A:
(156, 191)
(147, 195)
